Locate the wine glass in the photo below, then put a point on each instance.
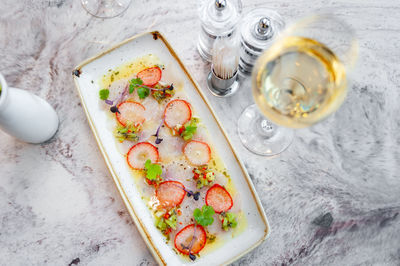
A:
(300, 80)
(105, 8)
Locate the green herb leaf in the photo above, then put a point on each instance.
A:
(131, 88)
(190, 129)
(143, 92)
(204, 216)
(153, 170)
(104, 93)
(134, 83)
(188, 133)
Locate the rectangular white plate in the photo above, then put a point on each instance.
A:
(153, 42)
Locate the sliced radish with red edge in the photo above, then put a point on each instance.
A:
(130, 112)
(191, 239)
(177, 112)
(170, 193)
(150, 76)
(140, 153)
(197, 152)
(218, 198)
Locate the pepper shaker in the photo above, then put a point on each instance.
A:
(218, 18)
(258, 29)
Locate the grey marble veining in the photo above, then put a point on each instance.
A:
(333, 198)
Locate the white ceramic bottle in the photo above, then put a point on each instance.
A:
(25, 115)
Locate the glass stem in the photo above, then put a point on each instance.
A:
(265, 127)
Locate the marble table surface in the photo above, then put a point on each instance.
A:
(333, 198)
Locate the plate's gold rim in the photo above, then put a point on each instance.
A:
(142, 229)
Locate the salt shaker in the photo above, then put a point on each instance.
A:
(25, 115)
(258, 28)
(218, 18)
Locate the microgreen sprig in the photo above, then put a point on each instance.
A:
(105, 93)
(196, 195)
(153, 171)
(142, 90)
(204, 216)
(158, 139)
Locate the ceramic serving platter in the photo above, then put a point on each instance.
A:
(85, 77)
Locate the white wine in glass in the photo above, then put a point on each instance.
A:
(300, 80)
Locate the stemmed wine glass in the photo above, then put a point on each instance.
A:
(300, 80)
(105, 8)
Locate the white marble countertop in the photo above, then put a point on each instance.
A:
(58, 203)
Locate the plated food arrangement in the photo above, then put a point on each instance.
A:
(163, 144)
(183, 181)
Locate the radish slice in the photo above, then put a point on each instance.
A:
(150, 76)
(197, 152)
(170, 193)
(177, 112)
(218, 198)
(140, 153)
(191, 239)
(130, 112)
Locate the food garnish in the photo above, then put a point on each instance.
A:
(204, 216)
(189, 193)
(195, 195)
(187, 130)
(177, 112)
(191, 240)
(219, 198)
(211, 238)
(158, 139)
(131, 112)
(140, 153)
(197, 152)
(160, 93)
(142, 90)
(203, 176)
(150, 76)
(153, 171)
(134, 83)
(104, 93)
(228, 220)
(127, 132)
(170, 193)
(166, 221)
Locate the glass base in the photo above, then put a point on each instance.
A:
(105, 8)
(260, 136)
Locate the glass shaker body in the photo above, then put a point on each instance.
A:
(218, 18)
(258, 29)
